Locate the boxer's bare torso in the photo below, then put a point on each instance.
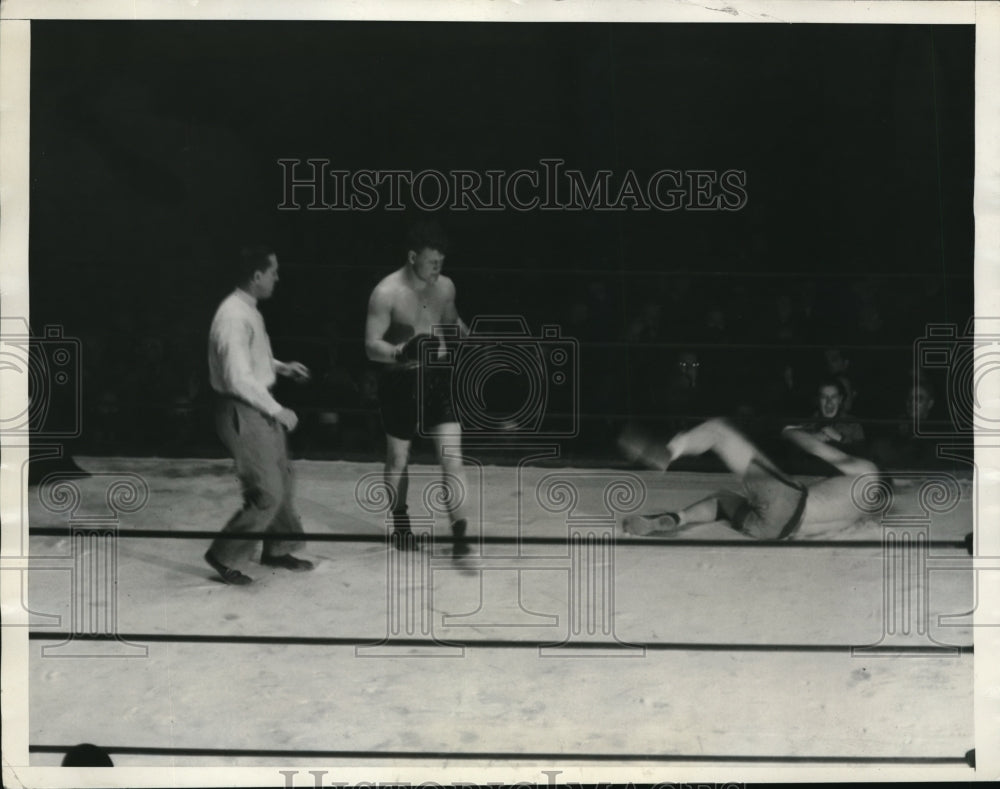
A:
(403, 305)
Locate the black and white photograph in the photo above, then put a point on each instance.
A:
(484, 393)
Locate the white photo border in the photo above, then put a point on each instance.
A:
(15, 25)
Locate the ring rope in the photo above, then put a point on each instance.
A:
(588, 756)
(486, 643)
(636, 542)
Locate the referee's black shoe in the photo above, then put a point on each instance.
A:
(287, 561)
(227, 574)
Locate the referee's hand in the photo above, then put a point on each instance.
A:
(298, 372)
(287, 418)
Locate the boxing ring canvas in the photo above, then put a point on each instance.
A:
(570, 641)
(644, 188)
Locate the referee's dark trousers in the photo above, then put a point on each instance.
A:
(259, 445)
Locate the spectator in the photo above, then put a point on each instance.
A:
(87, 755)
(869, 323)
(690, 393)
(106, 433)
(715, 325)
(838, 366)
(577, 320)
(339, 392)
(805, 310)
(682, 307)
(648, 362)
(647, 325)
(902, 447)
(781, 325)
(785, 395)
(602, 310)
(831, 424)
(182, 411)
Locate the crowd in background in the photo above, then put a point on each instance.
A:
(665, 350)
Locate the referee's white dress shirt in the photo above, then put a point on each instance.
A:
(240, 362)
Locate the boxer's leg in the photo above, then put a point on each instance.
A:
(448, 444)
(719, 506)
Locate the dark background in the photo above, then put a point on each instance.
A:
(154, 156)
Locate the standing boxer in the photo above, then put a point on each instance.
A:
(404, 308)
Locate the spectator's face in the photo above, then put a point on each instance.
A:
(919, 403)
(598, 290)
(835, 361)
(849, 392)
(153, 349)
(716, 319)
(688, 366)
(784, 305)
(830, 400)
(426, 264)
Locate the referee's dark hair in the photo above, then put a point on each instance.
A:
(250, 260)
